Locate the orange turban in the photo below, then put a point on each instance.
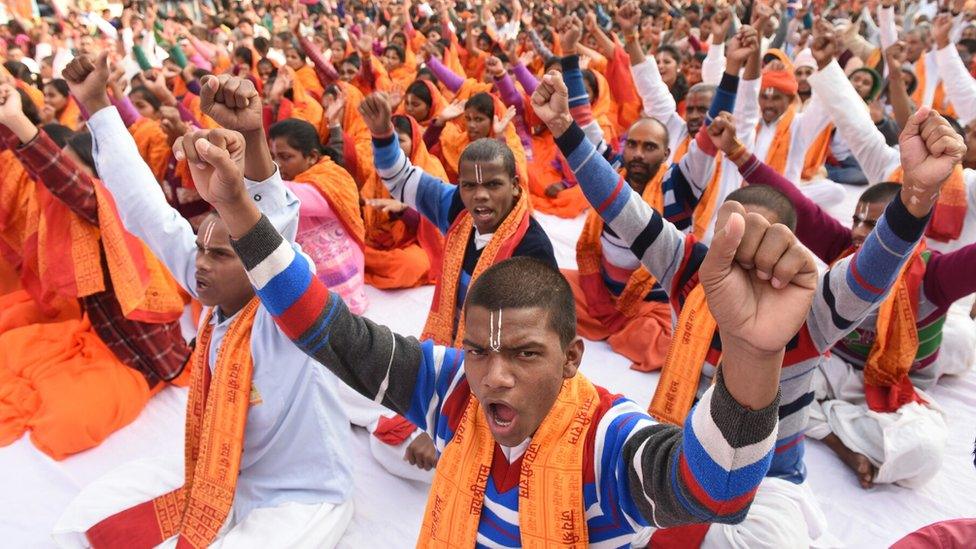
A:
(781, 81)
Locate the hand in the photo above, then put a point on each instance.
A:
(387, 205)
(824, 47)
(570, 31)
(550, 102)
(759, 282)
(450, 112)
(553, 190)
(877, 110)
(895, 58)
(940, 30)
(527, 58)
(333, 106)
(11, 107)
(48, 114)
(722, 133)
(216, 160)
(376, 112)
(171, 123)
(494, 67)
(589, 22)
(232, 102)
(395, 96)
(87, 78)
(501, 122)
(364, 43)
(628, 17)
(116, 80)
(761, 15)
(157, 85)
(930, 150)
(742, 46)
(422, 453)
(721, 22)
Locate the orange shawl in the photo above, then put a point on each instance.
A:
(338, 188)
(36, 95)
(701, 218)
(628, 103)
(454, 139)
(216, 417)
(551, 509)
(612, 311)
(153, 145)
(949, 213)
(817, 154)
(309, 81)
(939, 100)
(305, 106)
(779, 149)
(441, 326)
(438, 103)
(604, 111)
(71, 115)
(547, 168)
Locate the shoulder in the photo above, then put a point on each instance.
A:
(536, 244)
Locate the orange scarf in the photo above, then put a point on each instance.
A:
(817, 154)
(678, 386)
(551, 509)
(454, 139)
(949, 213)
(701, 218)
(939, 101)
(71, 115)
(308, 79)
(779, 149)
(613, 311)
(604, 111)
(438, 103)
(216, 416)
(153, 145)
(440, 324)
(338, 188)
(306, 107)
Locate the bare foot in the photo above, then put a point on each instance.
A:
(863, 469)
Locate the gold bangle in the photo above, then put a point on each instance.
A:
(737, 152)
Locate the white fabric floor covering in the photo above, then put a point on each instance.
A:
(35, 489)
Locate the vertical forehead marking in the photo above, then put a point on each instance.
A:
(495, 333)
(208, 234)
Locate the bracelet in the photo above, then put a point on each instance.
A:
(737, 152)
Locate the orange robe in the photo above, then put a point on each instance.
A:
(338, 188)
(546, 168)
(396, 255)
(153, 145)
(310, 81)
(71, 115)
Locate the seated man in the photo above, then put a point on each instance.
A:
(844, 299)
(259, 411)
(903, 440)
(532, 453)
(73, 377)
(485, 216)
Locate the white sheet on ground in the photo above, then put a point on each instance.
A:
(34, 490)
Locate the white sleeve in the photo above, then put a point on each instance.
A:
(959, 86)
(854, 123)
(886, 24)
(657, 99)
(746, 114)
(809, 123)
(714, 64)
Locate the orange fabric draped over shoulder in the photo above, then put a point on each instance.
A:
(153, 145)
(779, 149)
(310, 81)
(438, 102)
(546, 168)
(216, 417)
(396, 256)
(71, 115)
(604, 111)
(304, 105)
(817, 154)
(629, 106)
(338, 188)
(36, 95)
(949, 213)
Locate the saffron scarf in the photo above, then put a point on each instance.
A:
(779, 149)
(551, 510)
(216, 417)
(817, 154)
(338, 188)
(153, 145)
(676, 390)
(454, 139)
(949, 213)
(440, 325)
(886, 383)
(939, 101)
(701, 218)
(438, 103)
(71, 115)
(612, 311)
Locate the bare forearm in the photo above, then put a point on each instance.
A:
(752, 377)
(258, 165)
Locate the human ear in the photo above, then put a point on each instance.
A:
(573, 356)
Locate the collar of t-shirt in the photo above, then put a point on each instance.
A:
(512, 453)
(481, 240)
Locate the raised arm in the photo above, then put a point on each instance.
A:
(959, 84)
(948, 276)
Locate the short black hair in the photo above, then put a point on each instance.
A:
(526, 282)
(487, 149)
(882, 192)
(58, 133)
(299, 134)
(81, 144)
(352, 59)
(658, 123)
(767, 197)
(262, 45)
(245, 53)
(483, 103)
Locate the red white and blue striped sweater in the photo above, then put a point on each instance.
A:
(637, 473)
(847, 293)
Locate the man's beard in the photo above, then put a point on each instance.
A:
(640, 173)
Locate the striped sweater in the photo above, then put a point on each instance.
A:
(948, 276)
(847, 293)
(636, 472)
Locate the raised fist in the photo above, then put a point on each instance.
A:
(376, 112)
(824, 47)
(570, 31)
(550, 102)
(216, 160)
(232, 102)
(722, 133)
(87, 78)
(930, 151)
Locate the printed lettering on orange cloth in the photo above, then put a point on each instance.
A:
(949, 213)
(692, 338)
(62, 383)
(550, 506)
(779, 148)
(701, 218)
(396, 256)
(547, 168)
(614, 314)
(887, 386)
(18, 208)
(216, 416)
(339, 189)
(440, 324)
(817, 154)
(153, 145)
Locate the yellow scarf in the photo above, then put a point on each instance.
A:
(692, 339)
(551, 509)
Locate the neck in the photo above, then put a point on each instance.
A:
(231, 308)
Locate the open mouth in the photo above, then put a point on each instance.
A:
(482, 213)
(501, 417)
(202, 285)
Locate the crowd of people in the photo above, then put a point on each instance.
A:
(196, 194)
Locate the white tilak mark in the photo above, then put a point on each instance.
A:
(477, 173)
(207, 235)
(495, 334)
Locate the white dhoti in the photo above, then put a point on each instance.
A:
(286, 526)
(824, 192)
(366, 413)
(907, 446)
(782, 515)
